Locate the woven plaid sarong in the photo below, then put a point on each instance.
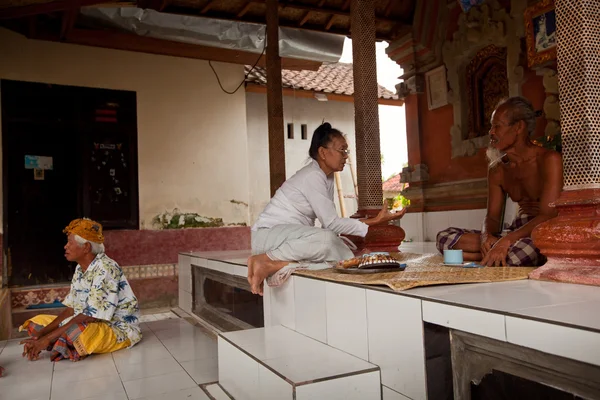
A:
(522, 253)
(64, 346)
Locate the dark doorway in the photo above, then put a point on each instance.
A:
(49, 133)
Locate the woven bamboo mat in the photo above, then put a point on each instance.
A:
(423, 270)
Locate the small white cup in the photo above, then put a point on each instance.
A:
(453, 256)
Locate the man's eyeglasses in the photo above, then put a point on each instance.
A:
(344, 152)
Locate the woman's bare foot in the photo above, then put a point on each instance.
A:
(259, 268)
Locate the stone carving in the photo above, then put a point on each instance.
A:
(487, 84)
(416, 173)
(482, 26)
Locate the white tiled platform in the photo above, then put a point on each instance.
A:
(385, 328)
(279, 363)
(172, 360)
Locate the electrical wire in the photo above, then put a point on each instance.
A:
(245, 75)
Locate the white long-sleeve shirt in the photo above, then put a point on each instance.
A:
(304, 197)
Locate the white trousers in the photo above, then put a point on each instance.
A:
(300, 243)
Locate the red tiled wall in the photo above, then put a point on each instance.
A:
(146, 247)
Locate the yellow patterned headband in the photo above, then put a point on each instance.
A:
(87, 229)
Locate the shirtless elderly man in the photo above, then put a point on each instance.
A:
(533, 178)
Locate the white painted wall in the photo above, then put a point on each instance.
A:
(423, 227)
(297, 111)
(192, 139)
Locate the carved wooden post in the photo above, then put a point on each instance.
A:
(274, 99)
(366, 120)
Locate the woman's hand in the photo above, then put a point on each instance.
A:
(385, 215)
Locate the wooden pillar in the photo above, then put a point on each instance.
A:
(571, 241)
(366, 120)
(274, 99)
(366, 107)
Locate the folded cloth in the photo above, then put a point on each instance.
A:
(279, 277)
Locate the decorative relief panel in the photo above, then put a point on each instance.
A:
(487, 84)
(489, 24)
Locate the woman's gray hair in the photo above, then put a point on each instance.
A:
(520, 109)
(97, 248)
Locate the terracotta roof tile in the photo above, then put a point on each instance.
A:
(393, 184)
(330, 78)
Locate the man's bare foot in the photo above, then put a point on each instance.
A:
(259, 268)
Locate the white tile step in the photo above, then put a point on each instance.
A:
(216, 392)
(278, 363)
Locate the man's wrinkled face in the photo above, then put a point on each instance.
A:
(503, 133)
(73, 250)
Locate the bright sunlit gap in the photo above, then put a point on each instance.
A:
(392, 119)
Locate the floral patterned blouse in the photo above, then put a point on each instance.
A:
(102, 292)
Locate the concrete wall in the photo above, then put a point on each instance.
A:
(297, 111)
(192, 140)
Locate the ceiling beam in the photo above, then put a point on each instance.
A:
(178, 10)
(244, 10)
(44, 8)
(157, 5)
(329, 23)
(131, 42)
(322, 10)
(388, 8)
(68, 19)
(255, 88)
(304, 19)
(208, 6)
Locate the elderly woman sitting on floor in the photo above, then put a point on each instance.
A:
(285, 231)
(101, 314)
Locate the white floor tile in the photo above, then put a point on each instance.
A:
(148, 353)
(272, 387)
(185, 301)
(2, 344)
(582, 313)
(15, 364)
(356, 387)
(121, 395)
(396, 342)
(238, 373)
(88, 388)
(347, 319)
(559, 340)
(83, 371)
(314, 365)
(500, 297)
(465, 319)
(22, 386)
(185, 394)
(147, 318)
(98, 360)
(282, 304)
(202, 371)
(192, 348)
(216, 392)
(167, 324)
(177, 332)
(129, 372)
(389, 394)
(273, 342)
(158, 385)
(311, 315)
(267, 312)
